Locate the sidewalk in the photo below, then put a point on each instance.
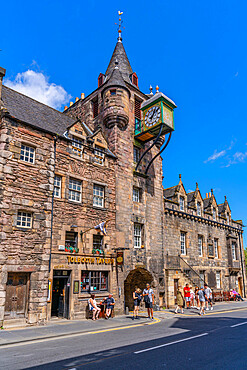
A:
(218, 307)
(61, 328)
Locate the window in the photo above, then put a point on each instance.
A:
(27, 154)
(98, 196)
(214, 214)
(75, 187)
(216, 255)
(99, 155)
(77, 146)
(71, 242)
(228, 218)
(57, 186)
(98, 242)
(138, 126)
(210, 250)
(136, 195)
(137, 236)
(234, 256)
(138, 108)
(135, 79)
(136, 154)
(93, 281)
(95, 104)
(181, 203)
(24, 219)
(200, 245)
(182, 243)
(100, 79)
(199, 209)
(218, 284)
(113, 92)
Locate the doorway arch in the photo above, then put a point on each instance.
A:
(138, 277)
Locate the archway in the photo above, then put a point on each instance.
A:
(136, 278)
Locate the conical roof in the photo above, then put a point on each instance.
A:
(124, 66)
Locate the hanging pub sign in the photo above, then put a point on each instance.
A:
(120, 259)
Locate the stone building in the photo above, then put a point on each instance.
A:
(203, 244)
(63, 174)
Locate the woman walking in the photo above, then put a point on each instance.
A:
(180, 300)
(137, 300)
(197, 297)
(202, 301)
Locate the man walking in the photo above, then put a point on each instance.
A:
(187, 295)
(148, 295)
(208, 296)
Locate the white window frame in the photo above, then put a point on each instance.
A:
(181, 203)
(75, 189)
(137, 235)
(136, 194)
(57, 186)
(98, 196)
(199, 209)
(136, 154)
(214, 214)
(218, 280)
(77, 146)
(216, 251)
(183, 243)
(24, 219)
(27, 154)
(99, 156)
(228, 218)
(234, 255)
(200, 245)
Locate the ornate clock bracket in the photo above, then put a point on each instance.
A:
(149, 148)
(169, 138)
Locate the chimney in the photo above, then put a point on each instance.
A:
(2, 74)
(210, 195)
(76, 99)
(71, 103)
(206, 195)
(82, 96)
(65, 107)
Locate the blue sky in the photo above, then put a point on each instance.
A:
(194, 50)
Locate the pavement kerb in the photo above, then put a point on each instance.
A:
(57, 336)
(195, 314)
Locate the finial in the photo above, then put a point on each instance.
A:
(119, 26)
(225, 198)
(157, 89)
(180, 176)
(151, 90)
(197, 185)
(212, 191)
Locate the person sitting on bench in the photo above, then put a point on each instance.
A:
(93, 307)
(109, 302)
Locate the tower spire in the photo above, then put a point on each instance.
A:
(119, 26)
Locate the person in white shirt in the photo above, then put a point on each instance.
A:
(93, 307)
(208, 296)
(148, 295)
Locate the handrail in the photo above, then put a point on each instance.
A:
(191, 268)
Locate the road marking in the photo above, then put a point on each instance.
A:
(73, 335)
(241, 323)
(206, 314)
(171, 343)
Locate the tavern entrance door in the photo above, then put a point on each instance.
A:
(16, 295)
(60, 293)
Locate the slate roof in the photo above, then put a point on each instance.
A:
(115, 80)
(221, 208)
(120, 55)
(206, 202)
(190, 196)
(35, 113)
(170, 192)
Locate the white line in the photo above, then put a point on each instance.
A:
(169, 344)
(241, 323)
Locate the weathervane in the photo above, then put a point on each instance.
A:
(119, 25)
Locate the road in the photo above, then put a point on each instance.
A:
(216, 341)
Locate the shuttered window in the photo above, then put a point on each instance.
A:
(138, 108)
(95, 103)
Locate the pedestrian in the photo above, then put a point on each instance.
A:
(237, 295)
(137, 300)
(93, 307)
(197, 298)
(201, 295)
(192, 298)
(180, 300)
(109, 302)
(208, 296)
(148, 295)
(187, 295)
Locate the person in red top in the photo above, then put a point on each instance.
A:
(187, 295)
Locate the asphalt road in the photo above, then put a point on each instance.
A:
(214, 342)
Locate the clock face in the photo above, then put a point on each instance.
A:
(152, 116)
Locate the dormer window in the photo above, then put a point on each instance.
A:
(181, 204)
(99, 155)
(100, 79)
(199, 209)
(228, 218)
(214, 214)
(77, 146)
(135, 79)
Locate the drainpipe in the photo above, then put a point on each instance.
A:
(52, 203)
(241, 256)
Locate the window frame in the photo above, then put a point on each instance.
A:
(77, 146)
(199, 209)
(216, 249)
(88, 275)
(200, 245)
(75, 191)
(181, 203)
(57, 187)
(183, 243)
(218, 279)
(27, 153)
(101, 188)
(23, 216)
(73, 242)
(214, 213)
(136, 196)
(136, 154)
(99, 155)
(137, 235)
(234, 251)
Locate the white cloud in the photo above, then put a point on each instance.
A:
(239, 156)
(215, 156)
(37, 86)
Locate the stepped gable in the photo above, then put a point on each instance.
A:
(34, 113)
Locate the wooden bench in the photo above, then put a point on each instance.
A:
(217, 296)
(227, 296)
